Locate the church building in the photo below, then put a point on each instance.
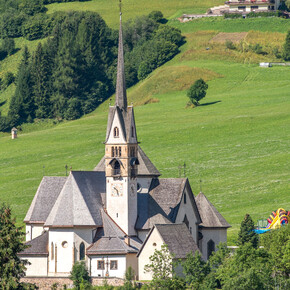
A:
(116, 215)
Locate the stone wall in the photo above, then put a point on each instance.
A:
(45, 283)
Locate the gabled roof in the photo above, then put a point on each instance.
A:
(44, 199)
(80, 201)
(161, 204)
(37, 246)
(210, 216)
(110, 239)
(177, 237)
(145, 167)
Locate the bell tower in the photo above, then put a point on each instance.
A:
(121, 161)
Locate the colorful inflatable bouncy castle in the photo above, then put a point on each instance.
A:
(278, 218)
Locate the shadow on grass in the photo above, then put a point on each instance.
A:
(2, 103)
(211, 103)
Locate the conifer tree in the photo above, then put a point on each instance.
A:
(247, 233)
(41, 89)
(22, 102)
(11, 243)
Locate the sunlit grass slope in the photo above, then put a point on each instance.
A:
(10, 64)
(132, 8)
(237, 142)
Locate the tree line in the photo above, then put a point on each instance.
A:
(75, 69)
(257, 263)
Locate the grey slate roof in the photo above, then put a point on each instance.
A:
(178, 238)
(145, 167)
(210, 216)
(37, 246)
(80, 200)
(161, 204)
(121, 97)
(44, 199)
(110, 239)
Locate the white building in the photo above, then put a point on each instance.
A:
(236, 6)
(104, 216)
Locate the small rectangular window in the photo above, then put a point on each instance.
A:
(101, 265)
(184, 199)
(114, 265)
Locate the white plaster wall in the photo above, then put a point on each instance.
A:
(132, 261)
(28, 231)
(112, 139)
(63, 257)
(218, 235)
(112, 273)
(142, 235)
(188, 210)
(33, 231)
(147, 251)
(82, 235)
(38, 266)
(122, 208)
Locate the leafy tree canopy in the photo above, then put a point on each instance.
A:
(197, 91)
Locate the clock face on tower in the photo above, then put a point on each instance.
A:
(117, 189)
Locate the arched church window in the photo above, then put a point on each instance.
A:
(210, 248)
(185, 220)
(51, 251)
(132, 131)
(82, 251)
(117, 168)
(113, 152)
(116, 132)
(116, 151)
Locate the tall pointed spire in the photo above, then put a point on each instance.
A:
(121, 95)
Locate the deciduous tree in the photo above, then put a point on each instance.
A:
(197, 91)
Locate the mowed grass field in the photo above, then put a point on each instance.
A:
(237, 142)
(132, 8)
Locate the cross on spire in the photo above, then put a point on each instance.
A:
(121, 95)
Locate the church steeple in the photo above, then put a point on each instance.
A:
(121, 95)
(121, 152)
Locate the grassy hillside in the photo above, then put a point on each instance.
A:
(236, 142)
(133, 8)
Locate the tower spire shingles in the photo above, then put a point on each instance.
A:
(121, 95)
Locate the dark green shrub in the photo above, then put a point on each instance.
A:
(230, 45)
(79, 274)
(233, 15)
(9, 78)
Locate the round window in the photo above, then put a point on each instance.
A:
(64, 244)
(154, 244)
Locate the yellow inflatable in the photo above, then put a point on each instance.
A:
(278, 218)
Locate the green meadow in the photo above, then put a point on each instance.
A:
(132, 8)
(236, 142)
